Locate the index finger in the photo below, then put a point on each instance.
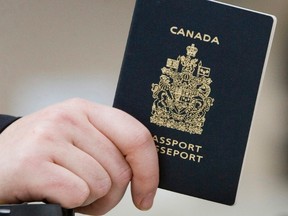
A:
(136, 143)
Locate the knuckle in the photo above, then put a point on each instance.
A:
(61, 115)
(143, 137)
(80, 197)
(124, 177)
(76, 102)
(41, 133)
(74, 194)
(102, 187)
(141, 144)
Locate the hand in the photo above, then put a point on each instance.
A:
(80, 155)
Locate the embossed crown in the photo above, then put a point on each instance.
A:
(192, 50)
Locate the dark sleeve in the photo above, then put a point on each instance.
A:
(5, 121)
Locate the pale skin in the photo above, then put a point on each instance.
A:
(80, 155)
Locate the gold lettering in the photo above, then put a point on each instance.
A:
(162, 140)
(155, 138)
(175, 153)
(183, 145)
(189, 33)
(169, 151)
(191, 147)
(178, 148)
(194, 35)
(215, 40)
(192, 157)
(198, 148)
(206, 38)
(184, 155)
(199, 158)
(198, 36)
(181, 32)
(173, 30)
(174, 142)
(162, 150)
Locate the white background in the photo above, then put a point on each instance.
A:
(53, 50)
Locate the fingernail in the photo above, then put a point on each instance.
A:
(147, 202)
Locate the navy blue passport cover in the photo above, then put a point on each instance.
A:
(190, 74)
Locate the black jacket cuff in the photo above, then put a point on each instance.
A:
(5, 121)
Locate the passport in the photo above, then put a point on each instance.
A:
(191, 74)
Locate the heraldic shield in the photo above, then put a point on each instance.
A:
(181, 98)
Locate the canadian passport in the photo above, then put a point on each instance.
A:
(191, 74)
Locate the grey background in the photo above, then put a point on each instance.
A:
(52, 50)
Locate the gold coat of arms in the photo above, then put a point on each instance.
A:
(181, 98)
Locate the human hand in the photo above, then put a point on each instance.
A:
(80, 155)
